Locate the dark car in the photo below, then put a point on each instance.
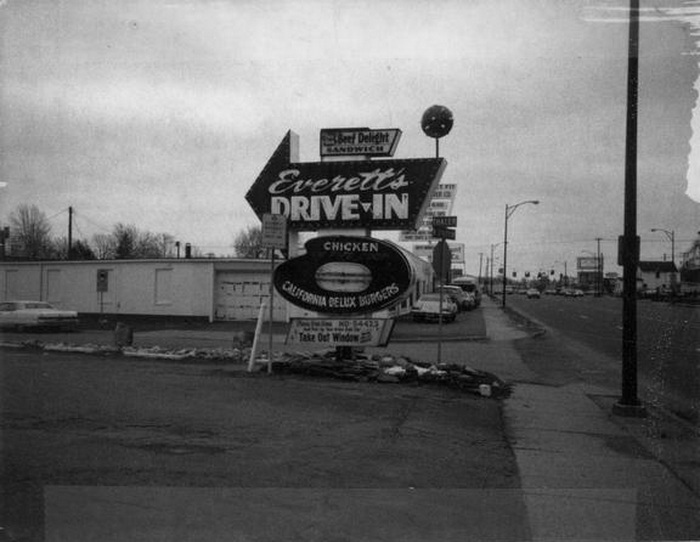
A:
(469, 286)
(533, 293)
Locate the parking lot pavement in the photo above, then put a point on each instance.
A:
(583, 472)
(468, 326)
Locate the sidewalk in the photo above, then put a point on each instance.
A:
(586, 474)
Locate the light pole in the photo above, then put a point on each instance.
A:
(671, 235)
(491, 271)
(510, 209)
(565, 271)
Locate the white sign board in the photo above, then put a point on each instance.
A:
(340, 331)
(440, 204)
(274, 231)
(359, 141)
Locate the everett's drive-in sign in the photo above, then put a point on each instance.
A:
(345, 275)
(359, 141)
(376, 194)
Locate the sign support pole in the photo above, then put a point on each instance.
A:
(442, 271)
(254, 348)
(272, 305)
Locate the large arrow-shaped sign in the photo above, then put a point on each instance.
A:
(374, 194)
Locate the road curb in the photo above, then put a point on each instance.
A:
(534, 328)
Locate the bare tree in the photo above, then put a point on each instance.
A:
(104, 246)
(30, 232)
(248, 243)
(127, 242)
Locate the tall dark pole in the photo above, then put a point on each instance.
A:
(629, 404)
(491, 272)
(505, 255)
(599, 270)
(481, 261)
(70, 232)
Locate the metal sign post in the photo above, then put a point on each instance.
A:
(442, 261)
(274, 235)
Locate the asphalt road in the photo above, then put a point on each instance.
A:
(110, 448)
(668, 349)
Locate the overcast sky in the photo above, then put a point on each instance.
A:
(161, 113)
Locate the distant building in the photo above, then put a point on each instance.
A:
(690, 268)
(657, 275)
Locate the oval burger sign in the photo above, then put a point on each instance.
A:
(345, 275)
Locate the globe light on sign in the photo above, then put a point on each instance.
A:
(437, 121)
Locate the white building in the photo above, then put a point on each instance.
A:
(211, 289)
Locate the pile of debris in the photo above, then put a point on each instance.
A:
(228, 355)
(393, 369)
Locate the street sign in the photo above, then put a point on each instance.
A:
(440, 204)
(102, 280)
(425, 251)
(442, 260)
(376, 194)
(445, 221)
(274, 231)
(359, 142)
(444, 233)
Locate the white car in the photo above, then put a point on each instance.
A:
(428, 308)
(35, 314)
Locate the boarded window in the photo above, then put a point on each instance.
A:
(164, 288)
(53, 286)
(11, 284)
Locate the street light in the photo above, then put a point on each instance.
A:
(491, 271)
(671, 235)
(510, 209)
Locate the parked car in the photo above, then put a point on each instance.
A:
(533, 293)
(36, 314)
(462, 299)
(428, 308)
(578, 293)
(469, 286)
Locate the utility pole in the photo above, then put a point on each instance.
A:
(487, 277)
(481, 259)
(70, 233)
(629, 404)
(599, 270)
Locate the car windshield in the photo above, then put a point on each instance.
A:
(450, 289)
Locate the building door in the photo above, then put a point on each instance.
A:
(239, 296)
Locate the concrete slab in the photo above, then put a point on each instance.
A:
(291, 514)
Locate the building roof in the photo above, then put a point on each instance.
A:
(657, 267)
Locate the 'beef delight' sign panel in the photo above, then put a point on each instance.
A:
(345, 275)
(376, 194)
(359, 141)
